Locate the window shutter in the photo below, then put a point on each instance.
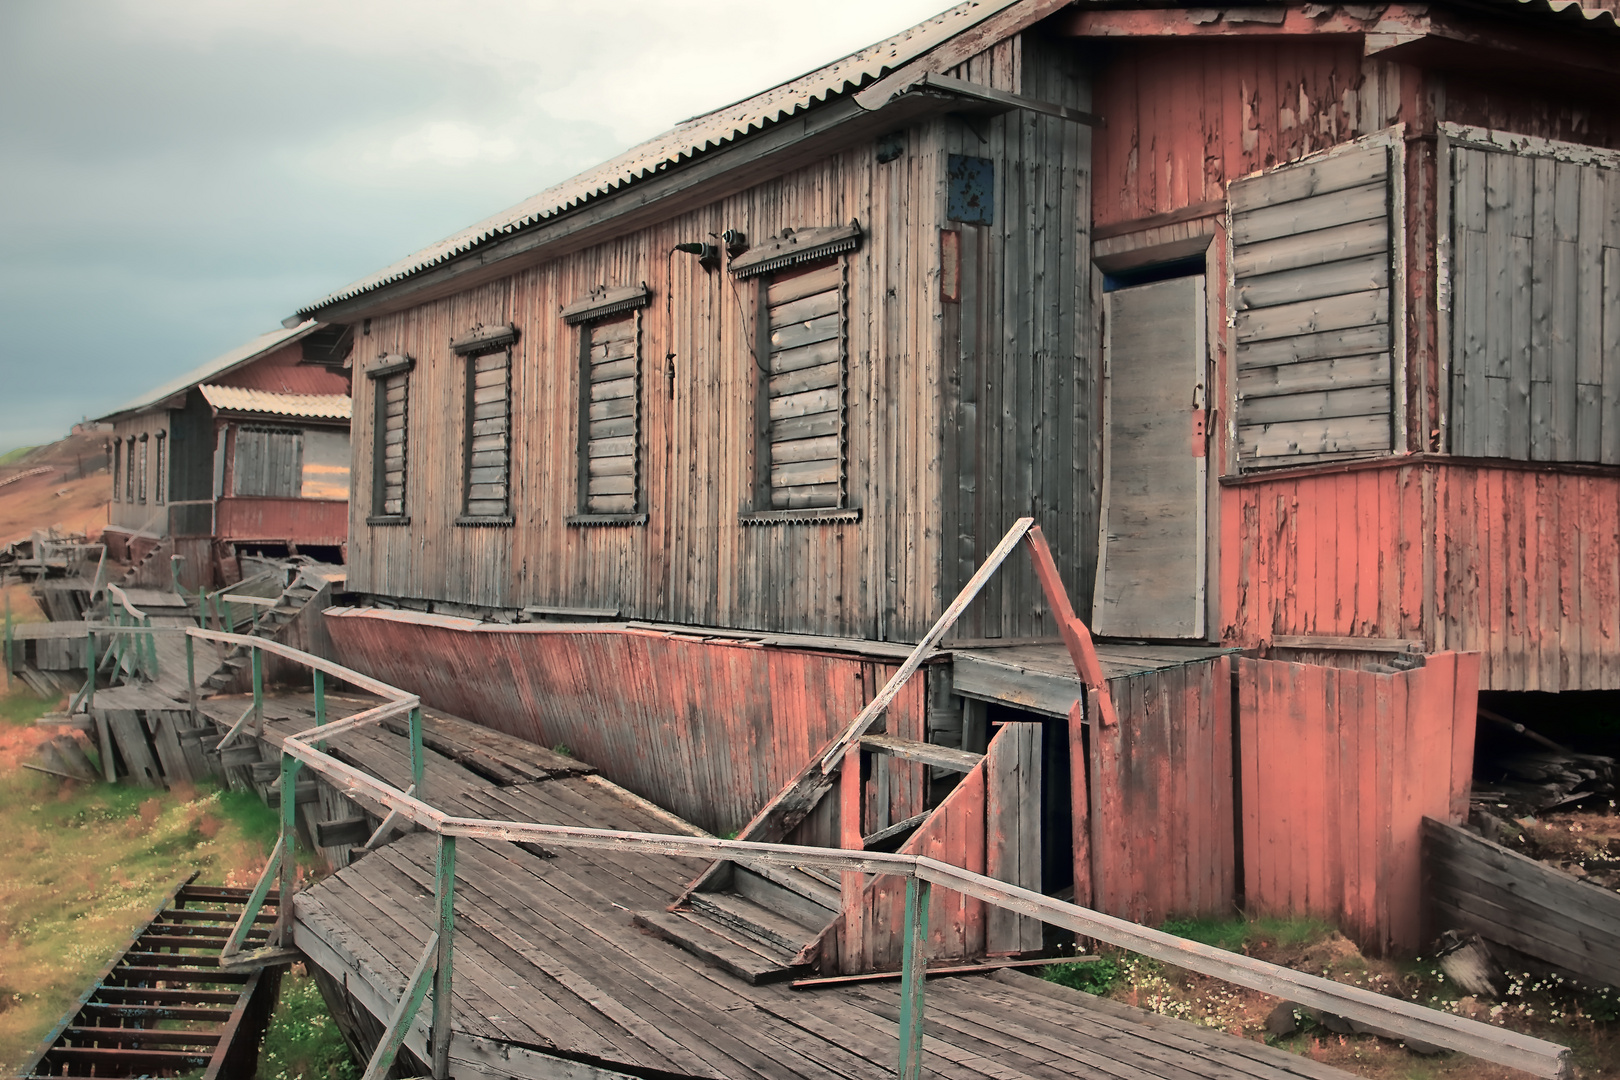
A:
(610, 415)
(488, 438)
(389, 500)
(268, 462)
(1312, 250)
(802, 440)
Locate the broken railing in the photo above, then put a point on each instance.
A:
(433, 970)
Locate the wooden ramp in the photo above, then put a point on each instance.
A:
(553, 977)
(163, 1007)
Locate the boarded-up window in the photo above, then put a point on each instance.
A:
(390, 444)
(129, 471)
(486, 463)
(609, 414)
(1312, 256)
(117, 468)
(140, 483)
(161, 474)
(1535, 310)
(326, 464)
(800, 440)
(268, 461)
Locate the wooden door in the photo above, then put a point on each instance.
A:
(1150, 565)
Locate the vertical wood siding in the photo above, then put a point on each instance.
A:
(1019, 383)
(1535, 337)
(1162, 827)
(1186, 117)
(284, 372)
(1518, 563)
(1339, 769)
(704, 728)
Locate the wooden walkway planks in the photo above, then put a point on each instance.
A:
(547, 961)
(1041, 677)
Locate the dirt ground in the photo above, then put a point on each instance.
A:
(72, 497)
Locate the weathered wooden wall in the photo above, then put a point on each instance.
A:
(303, 521)
(1019, 383)
(129, 510)
(1518, 562)
(1475, 885)
(708, 729)
(1339, 768)
(1162, 825)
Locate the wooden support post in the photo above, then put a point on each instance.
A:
(399, 1021)
(256, 898)
(191, 676)
(10, 664)
(258, 692)
(418, 763)
(319, 679)
(444, 891)
(913, 978)
(104, 735)
(1076, 637)
(852, 884)
(92, 661)
(289, 836)
(230, 616)
(151, 649)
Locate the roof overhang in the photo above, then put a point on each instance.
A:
(244, 402)
(172, 394)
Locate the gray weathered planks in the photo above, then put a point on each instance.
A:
(1535, 317)
(610, 415)
(1312, 268)
(1150, 563)
(269, 461)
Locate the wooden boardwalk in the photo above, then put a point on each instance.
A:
(553, 979)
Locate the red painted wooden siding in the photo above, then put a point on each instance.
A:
(284, 372)
(303, 521)
(708, 729)
(1339, 768)
(1521, 564)
(871, 937)
(1162, 826)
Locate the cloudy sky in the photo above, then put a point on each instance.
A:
(179, 175)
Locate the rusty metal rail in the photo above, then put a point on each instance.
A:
(433, 972)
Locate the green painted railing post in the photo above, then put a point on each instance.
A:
(319, 679)
(913, 978)
(151, 649)
(289, 834)
(417, 760)
(230, 616)
(258, 692)
(444, 890)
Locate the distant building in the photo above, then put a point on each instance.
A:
(249, 453)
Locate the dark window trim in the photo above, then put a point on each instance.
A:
(485, 339)
(117, 467)
(378, 371)
(470, 374)
(160, 494)
(587, 521)
(582, 471)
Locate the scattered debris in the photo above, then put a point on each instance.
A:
(1466, 960)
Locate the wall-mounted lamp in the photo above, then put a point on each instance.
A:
(736, 242)
(708, 255)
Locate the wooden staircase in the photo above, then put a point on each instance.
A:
(289, 604)
(164, 1006)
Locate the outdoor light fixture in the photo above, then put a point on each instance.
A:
(736, 242)
(708, 255)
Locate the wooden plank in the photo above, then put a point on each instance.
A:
(1291, 252)
(800, 473)
(805, 308)
(614, 388)
(1346, 434)
(1322, 405)
(1305, 215)
(1353, 169)
(1315, 376)
(795, 335)
(1354, 341)
(816, 378)
(787, 287)
(1367, 273)
(804, 404)
(942, 757)
(1346, 312)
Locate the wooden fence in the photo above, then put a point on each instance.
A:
(1339, 768)
(1512, 900)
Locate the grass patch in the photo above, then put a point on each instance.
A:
(11, 457)
(303, 1041)
(1094, 976)
(1239, 935)
(21, 707)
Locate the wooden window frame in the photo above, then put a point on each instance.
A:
(378, 372)
(117, 468)
(140, 483)
(478, 343)
(160, 472)
(584, 314)
(129, 471)
(265, 429)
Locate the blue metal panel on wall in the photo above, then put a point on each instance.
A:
(971, 183)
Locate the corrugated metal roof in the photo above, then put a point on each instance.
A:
(308, 406)
(690, 138)
(219, 365)
(716, 129)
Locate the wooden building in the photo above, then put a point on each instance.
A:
(1293, 325)
(250, 451)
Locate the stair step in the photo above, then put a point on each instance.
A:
(787, 892)
(758, 922)
(709, 943)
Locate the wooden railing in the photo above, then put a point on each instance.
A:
(433, 971)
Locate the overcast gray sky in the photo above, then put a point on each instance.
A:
(178, 175)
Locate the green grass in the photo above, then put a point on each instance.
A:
(11, 457)
(1234, 934)
(303, 1042)
(21, 707)
(1093, 976)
